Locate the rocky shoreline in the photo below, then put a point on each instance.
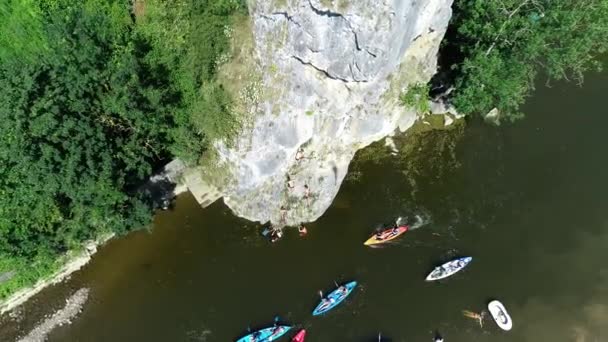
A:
(61, 317)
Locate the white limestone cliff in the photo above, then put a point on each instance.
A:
(329, 75)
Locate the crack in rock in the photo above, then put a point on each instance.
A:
(326, 13)
(288, 17)
(330, 14)
(327, 74)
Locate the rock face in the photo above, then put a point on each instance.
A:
(330, 75)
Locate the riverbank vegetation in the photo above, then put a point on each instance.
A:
(495, 50)
(96, 95)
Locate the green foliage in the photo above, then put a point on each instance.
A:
(189, 37)
(504, 44)
(92, 102)
(26, 271)
(79, 128)
(21, 34)
(417, 98)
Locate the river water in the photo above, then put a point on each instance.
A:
(528, 201)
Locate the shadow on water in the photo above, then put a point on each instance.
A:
(526, 200)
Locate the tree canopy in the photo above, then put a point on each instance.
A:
(497, 48)
(95, 96)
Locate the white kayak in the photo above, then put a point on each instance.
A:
(448, 269)
(500, 315)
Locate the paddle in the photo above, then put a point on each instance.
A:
(379, 337)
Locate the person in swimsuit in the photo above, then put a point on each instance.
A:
(300, 154)
(283, 212)
(302, 230)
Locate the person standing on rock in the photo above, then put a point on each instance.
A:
(283, 214)
(307, 194)
(300, 154)
(290, 183)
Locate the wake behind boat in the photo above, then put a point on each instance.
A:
(500, 315)
(386, 235)
(448, 269)
(266, 335)
(334, 298)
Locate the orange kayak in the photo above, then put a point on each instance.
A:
(386, 235)
(299, 336)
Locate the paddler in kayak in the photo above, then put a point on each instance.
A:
(393, 231)
(327, 302)
(275, 333)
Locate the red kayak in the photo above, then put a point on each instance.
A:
(299, 336)
(386, 235)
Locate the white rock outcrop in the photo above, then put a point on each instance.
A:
(331, 72)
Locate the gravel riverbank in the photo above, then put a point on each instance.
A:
(61, 317)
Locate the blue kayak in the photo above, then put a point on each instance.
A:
(334, 298)
(266, 334)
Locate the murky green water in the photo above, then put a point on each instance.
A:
(529, 202)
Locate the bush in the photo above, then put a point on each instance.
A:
(417, 98)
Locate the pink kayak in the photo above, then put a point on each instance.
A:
(299, 336)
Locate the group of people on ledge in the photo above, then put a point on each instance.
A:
(276, 233)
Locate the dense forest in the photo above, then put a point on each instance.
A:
(97, 94)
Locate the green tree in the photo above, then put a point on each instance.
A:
(502, 45)
(80, 128)
(21, 33)
(189, 38)
(95, 97)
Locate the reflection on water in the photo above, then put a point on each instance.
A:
(527, 201)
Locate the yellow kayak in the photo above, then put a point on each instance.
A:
(386, 235)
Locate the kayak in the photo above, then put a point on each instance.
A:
(266, 334)
(500, 315)
(299, 336)
(448, 269)
(334, 298)
(386, 235)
